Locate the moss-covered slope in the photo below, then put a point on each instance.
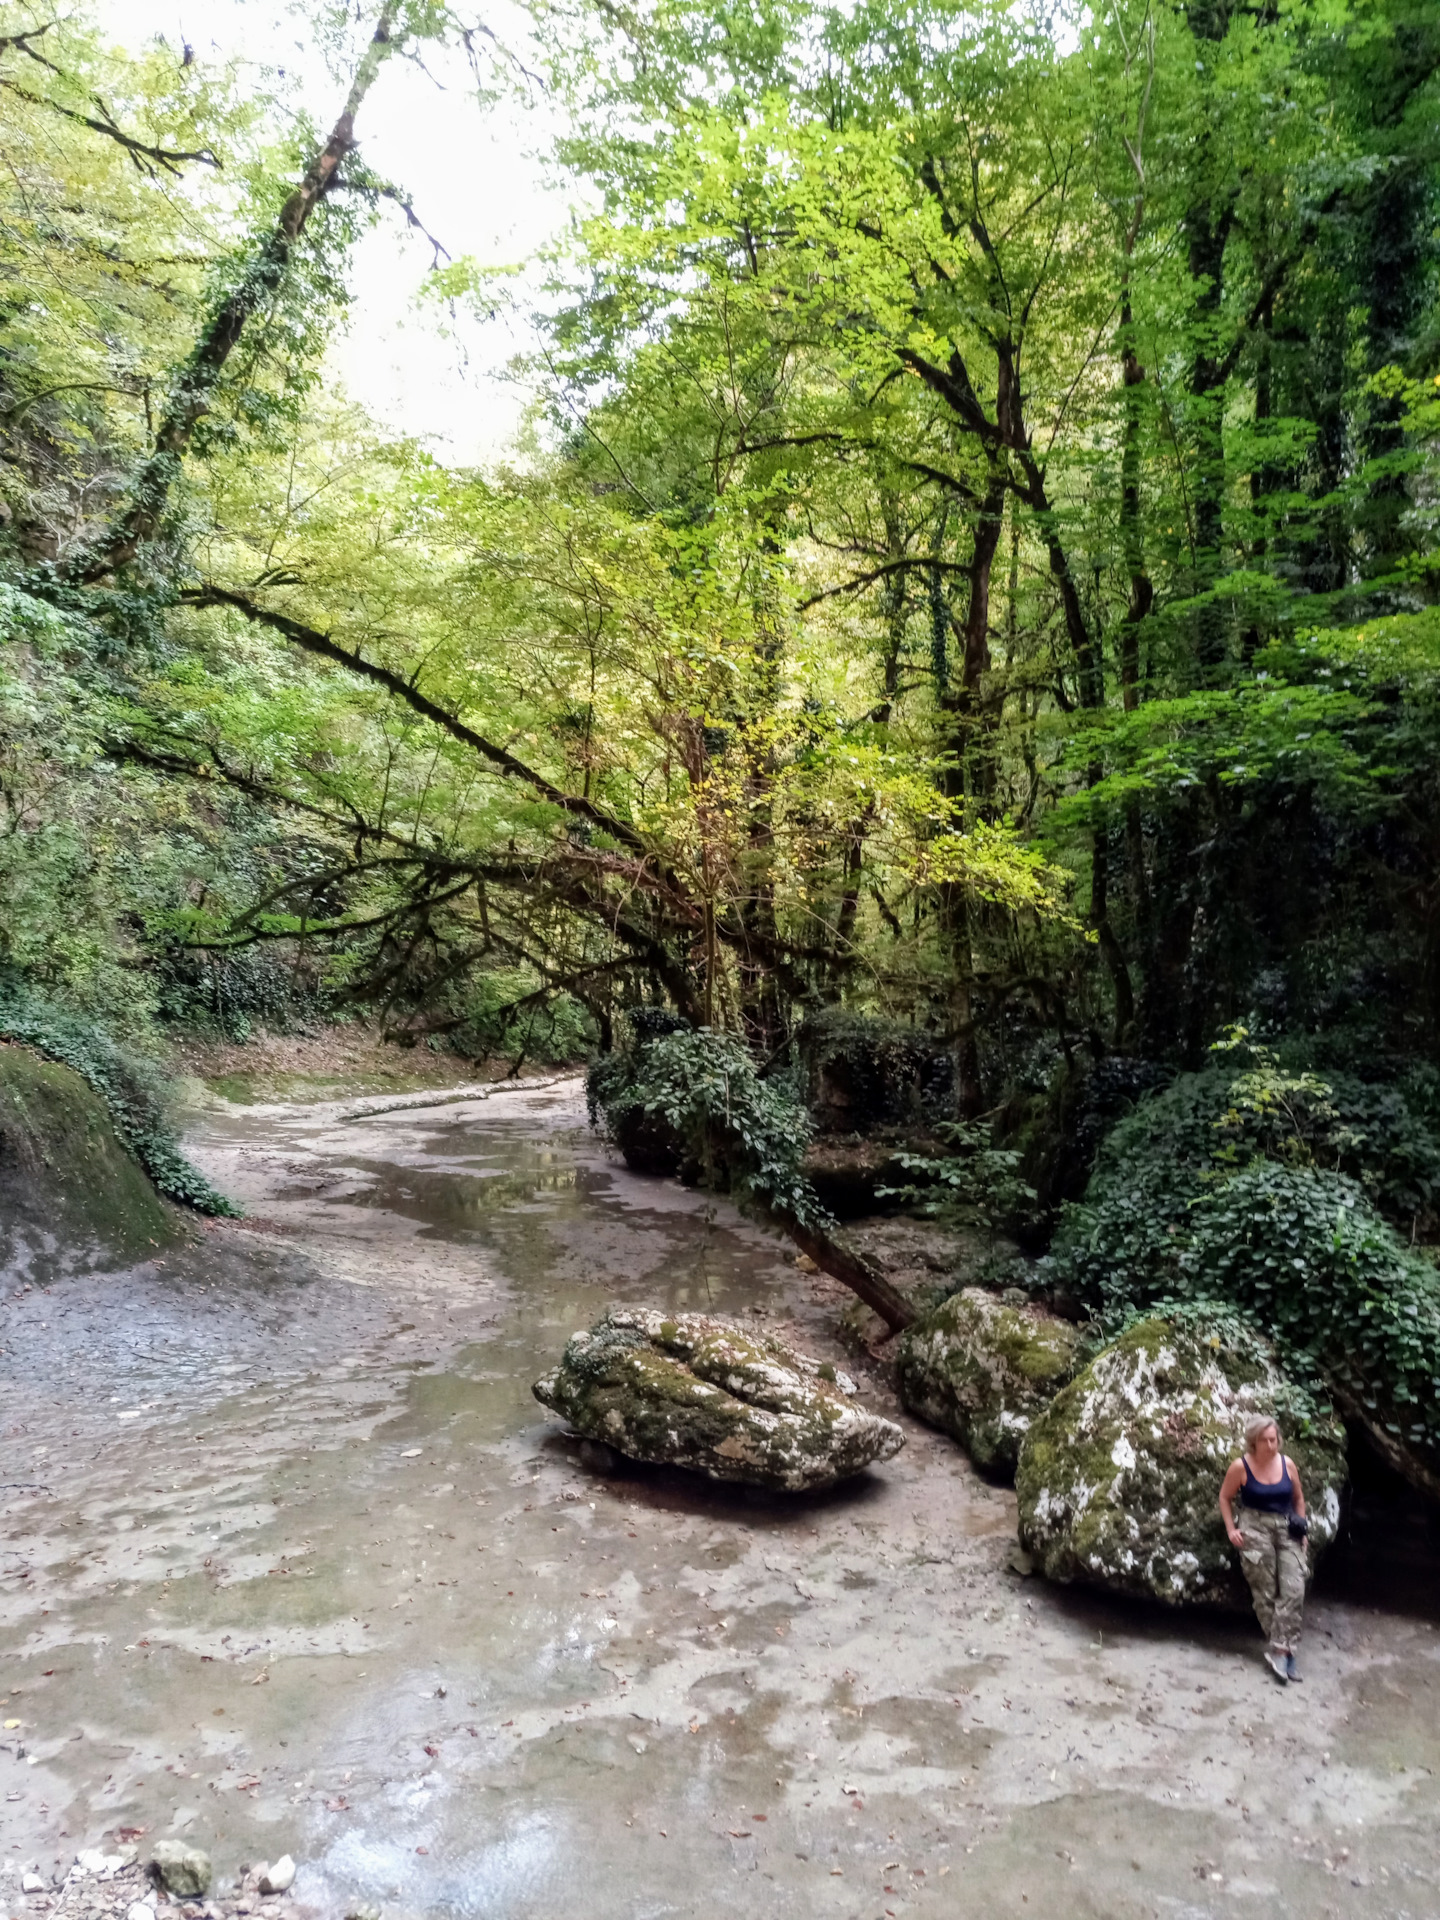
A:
(71, 1197)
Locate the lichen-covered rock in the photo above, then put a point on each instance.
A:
(1119, 1479)
(692, 1391)
(983, 1368)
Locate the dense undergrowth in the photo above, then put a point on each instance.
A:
(1277, 1192)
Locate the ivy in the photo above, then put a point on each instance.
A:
(1224, 1328)
(129, 1088)
(731, 1128)
(1261, 1188)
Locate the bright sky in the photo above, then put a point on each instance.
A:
(475, 178)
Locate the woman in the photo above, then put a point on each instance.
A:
(1270, 1537)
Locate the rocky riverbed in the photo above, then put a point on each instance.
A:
(292, 1562)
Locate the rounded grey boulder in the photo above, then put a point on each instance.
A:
(1119, 1479)
(688, 1390)
(982, 1369)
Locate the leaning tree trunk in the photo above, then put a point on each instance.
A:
(851, 1268)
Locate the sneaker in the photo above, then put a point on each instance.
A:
(1278, 1665)
(1292, 1671)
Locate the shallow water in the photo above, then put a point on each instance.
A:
(293, 1561)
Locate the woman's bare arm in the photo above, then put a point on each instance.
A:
(1229, 1487)
(1299, 1501)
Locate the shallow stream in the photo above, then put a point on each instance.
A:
(291, 1561)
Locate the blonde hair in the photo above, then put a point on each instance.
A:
(1256, 1425)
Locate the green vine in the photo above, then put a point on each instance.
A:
(730, 1129)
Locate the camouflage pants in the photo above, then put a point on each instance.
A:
(1274, 1564)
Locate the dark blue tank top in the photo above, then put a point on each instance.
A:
(1276, 1498)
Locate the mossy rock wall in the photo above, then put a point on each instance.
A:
(1119, 1479)
(983, 1369)
(71, 1198)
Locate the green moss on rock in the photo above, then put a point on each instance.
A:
(71, 1197)
(691, 1391)
(1118, 1480)
(983, 1370)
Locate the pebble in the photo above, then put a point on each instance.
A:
(277, 1879)
(125, 1891)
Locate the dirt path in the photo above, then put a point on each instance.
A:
(292, 1562)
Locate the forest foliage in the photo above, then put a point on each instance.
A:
(973, 562)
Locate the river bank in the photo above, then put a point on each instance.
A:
(294, 1563)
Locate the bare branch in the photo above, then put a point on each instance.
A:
(925, 561)
(145, 157)
(373, 191)
(499, 757)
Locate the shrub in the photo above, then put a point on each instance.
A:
(864, 1072)
(977, 1186)
(728, 1128)
(232, 992)
(508, 1014)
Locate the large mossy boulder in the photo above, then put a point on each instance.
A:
(1119, 1479)
(984, 1369)
(690, 1391)
(71, 1198)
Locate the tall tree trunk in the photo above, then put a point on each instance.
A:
(966, 779)
(1142, 599)
(896, 618)
(1264, 477)
(1206, 226)
(200, 376)
(761, 1010)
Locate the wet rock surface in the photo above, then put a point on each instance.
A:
(982, 1368)
(291, 1561)
(1119, 1478)
(689, 1390)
